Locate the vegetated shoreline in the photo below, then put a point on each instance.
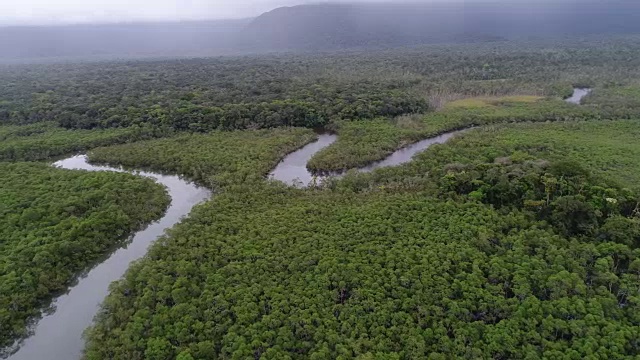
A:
(279, 143)
(308, 141)
(82, 297)
(54, 277)
(366, 164)
(456, 128)
(328, 170)
(259, 217)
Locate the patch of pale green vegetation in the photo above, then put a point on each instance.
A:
(483, 102)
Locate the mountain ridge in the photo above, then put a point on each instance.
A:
(327, 26)
(311, 27)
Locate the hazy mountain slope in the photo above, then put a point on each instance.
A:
(329, 26)
(336, 26)
(346, 25)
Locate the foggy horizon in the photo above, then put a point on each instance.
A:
(104, 12)
(200, 28)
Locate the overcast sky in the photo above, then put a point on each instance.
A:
(37, 12)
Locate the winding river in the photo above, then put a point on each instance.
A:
(292, 169)
(59, 334)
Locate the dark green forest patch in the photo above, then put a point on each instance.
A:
(305, 89)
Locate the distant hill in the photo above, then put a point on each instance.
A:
(329, 26)
(325, 26)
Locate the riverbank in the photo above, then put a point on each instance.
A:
(75, 310)
(364, 142)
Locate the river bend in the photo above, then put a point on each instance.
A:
(293, 171)
(59, 335)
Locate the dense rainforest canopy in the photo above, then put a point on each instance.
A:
(519, 238)
(519, 244)
(304, 90)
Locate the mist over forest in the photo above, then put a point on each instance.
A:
(327, 27)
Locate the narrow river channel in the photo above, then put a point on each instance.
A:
(292, 170)
(59, 335)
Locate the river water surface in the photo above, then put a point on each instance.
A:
(292, 170)
(407, 153)
(58, 336)
(578, 95)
